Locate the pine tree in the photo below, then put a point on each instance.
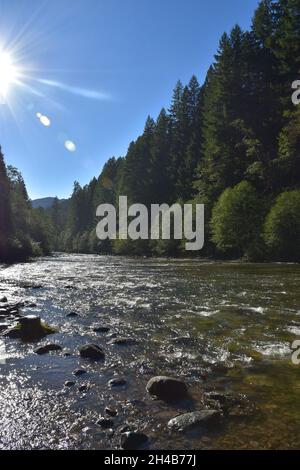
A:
(5, 211)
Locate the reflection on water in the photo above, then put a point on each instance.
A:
(220, 326)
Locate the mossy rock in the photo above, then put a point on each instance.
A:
(30, 328)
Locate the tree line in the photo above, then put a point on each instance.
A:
(24, 231)
(232, 143)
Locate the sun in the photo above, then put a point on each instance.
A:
(8, 73)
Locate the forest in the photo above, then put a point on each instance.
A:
(231, 143)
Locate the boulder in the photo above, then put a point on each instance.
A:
(30, 328)
(47, 348)
(195, 419)
(92, 351)
(132, 440)
(3, 299)
(167, 388)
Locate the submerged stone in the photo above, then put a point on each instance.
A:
(167, 388)
(117, 382)
(105, 423)
(69, 383)
(72, 314)
(92, 351)
(47, 348)
(132, 440)
(101, 329)
(123, 341)
(110, 411)
(79, 372)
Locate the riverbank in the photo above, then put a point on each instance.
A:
(223, 329)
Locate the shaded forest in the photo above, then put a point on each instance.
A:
(232, 143)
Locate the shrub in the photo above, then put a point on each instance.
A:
(282, 227)
(237, 219)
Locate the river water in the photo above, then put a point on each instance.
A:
(225, 327)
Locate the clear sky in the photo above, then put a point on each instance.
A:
(96, 69)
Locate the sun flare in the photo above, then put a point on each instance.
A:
(8, 73)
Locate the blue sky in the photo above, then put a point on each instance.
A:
(96, 69)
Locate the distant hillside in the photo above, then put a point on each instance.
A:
(45, 202)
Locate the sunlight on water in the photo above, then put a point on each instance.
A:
(227, 322)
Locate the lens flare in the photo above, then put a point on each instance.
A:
(43, 119)
(70, 146)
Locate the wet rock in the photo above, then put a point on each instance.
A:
(30, 328)
(125, 428)
(72, 314)
(229, 404)
(92, 351)
(112, 335)
(31, 286)
(101, 329)
(79, 372)
(123, 341)
(167, 388)
(117, 382)
(69, 383)
(133, 440)
(195, 419)
(47, 348)
(110, 411)
(3, 326)
(105, 423)
(83, 388)
(3, 299)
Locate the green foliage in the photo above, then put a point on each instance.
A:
(236, 219)
(282, 227)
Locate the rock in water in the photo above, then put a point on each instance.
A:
(101, 329)
(188, 421)
(79, 372)
(47, 348)
(3, 299)
(132, 440)
(110, 411)
(167, 388)
(105, 423)
(92, 351)
(123, 341)
(117, 382)
(30, 328)
(69, 383)
(72, 314)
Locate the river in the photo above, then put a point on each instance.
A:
(225, 327)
